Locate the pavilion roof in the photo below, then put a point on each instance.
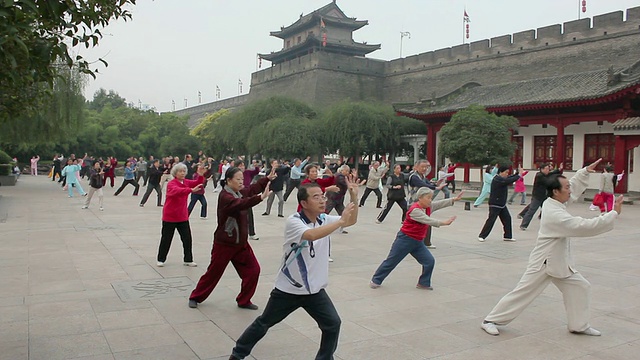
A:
(331, 14)
(352, 47)
(552, 92)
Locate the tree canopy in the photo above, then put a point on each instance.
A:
(478, 137)
(36, 40)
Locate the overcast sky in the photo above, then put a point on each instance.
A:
(174, 48)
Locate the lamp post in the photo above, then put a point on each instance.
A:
(217, 93)
(173, 105)
(402, 35)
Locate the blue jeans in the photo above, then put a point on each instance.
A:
(402, 246)
(279, 306)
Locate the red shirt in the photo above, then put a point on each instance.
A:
(412, 228)
(175, 205)
(324, 183)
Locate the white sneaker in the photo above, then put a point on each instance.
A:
(85, 207)
(160, 263)
(590, 331)
(101, 208)
(480, 239)
(490, 328)
(254, 237)
(509, 239)
(330, 260)
(374, 285)
(203, 217)
(431, 246)
(190, 264)
(378, 222)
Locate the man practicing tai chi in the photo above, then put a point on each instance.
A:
(550, 260)
(304, 273)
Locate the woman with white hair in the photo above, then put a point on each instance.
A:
(409, 238)
(175, 214)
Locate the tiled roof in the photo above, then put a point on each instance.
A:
(536, 92)
(315, 16)
(359, 49)
(632, 123)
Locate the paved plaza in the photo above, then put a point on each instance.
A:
(82, 284)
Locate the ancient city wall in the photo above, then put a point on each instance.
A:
(197, 112)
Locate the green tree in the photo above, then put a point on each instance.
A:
(102, 98)
(478, 137)
(209, 132)
(286, 136)
(36, 38)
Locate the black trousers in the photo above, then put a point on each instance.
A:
(401, 202)
(143, 175)
(279, 306)
(127, 182)
(252, 226)
(56, 171)
(453, 185)
(335, 204)
(505, 218)
(150, 188)
(367, 191)
(168, 229)
(293, 184)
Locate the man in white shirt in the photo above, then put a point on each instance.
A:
(551, 261)
(304, 273)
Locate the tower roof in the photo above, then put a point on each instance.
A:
(331, 14)
(349, 48)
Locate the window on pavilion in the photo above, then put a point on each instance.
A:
(599, 146)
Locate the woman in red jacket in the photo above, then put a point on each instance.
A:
(326, 184)
(175, 215)
(230, 240)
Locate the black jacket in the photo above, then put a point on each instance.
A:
(540, 184)
(155, 175)
(396, 194)
(277, 184)
(500, 189)
(95, 179)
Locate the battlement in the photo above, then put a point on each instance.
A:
(197, 112)
(320, 60)
(610, 24)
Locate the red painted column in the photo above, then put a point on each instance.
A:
(431, 148)
(467, 172)
(620, 163)
(560, 147)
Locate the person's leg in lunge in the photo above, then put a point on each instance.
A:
(428, 262)
(248, 269)
(320, 307)
(400, 248)
(187, 241)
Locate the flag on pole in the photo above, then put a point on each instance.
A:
(466, 20)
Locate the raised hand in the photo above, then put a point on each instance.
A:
(459, 197)
(272, 175)
(353, 187)
(592, 168)
(449, 221)
(196, 188)
(267, 191)
(347, 212)
(617, 206)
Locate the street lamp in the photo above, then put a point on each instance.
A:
(402, 35)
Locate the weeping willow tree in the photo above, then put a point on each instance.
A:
(56, 115)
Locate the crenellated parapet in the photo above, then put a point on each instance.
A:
(600, 27)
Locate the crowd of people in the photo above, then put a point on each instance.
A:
(321, 188)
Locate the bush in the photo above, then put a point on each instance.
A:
(5, 169)
(5, 158)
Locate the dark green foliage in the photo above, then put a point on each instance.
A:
(37, 38)
(5, 158)
(475, 136)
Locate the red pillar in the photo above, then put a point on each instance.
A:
(560, 147)
(467, 172)
(620, 163)
(431, 148)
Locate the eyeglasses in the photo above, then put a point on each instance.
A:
(319, 197)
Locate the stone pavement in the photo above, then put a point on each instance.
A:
(82, 284)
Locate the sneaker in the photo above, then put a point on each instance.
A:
(85, 207)
(249, 306)
(193, 304)
(281, 216)
(480, 239)
(160, 263)
(330, 260)
(431, 246)
(141, 205)
(590, 331)
(265, 214)
(190, 264)
(203, 218)
(254, 237)
(85, 194)
(378, 222)
(519, 216)
(374, 285)
(70, 196)
(490, 328)
(101, 208)
(345, 232)
(523, 228)
(422, 287)
(160, 205)
(509, 239)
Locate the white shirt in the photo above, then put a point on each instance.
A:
(224, 171)
(308, 272)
